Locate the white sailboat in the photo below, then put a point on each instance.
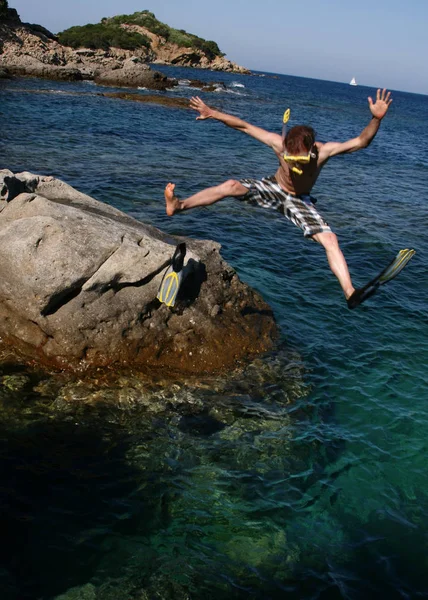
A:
(353, 82)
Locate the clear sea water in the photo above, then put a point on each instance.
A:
(303, 475)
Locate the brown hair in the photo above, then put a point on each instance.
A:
(298, 138)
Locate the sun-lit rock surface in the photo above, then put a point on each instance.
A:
(78, 285)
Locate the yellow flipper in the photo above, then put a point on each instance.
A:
(169, 288)
(172, 277)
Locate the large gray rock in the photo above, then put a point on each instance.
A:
(78, 285)
(134, 73)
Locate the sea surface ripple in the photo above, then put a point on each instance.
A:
(301, 477)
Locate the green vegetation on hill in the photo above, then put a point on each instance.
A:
(103, 35)
(109, 33)
(3, 8)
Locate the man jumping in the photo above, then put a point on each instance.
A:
(301, 159)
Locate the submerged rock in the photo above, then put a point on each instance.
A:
(78, 285)
(149, 98)
(5, 73)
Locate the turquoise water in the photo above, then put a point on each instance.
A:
(301, 477)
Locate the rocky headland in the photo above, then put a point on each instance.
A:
(31, 50)
(79, 280)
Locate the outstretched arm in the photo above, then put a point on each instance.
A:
(378, 110)
(273, 140)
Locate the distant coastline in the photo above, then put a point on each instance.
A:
(118, 53)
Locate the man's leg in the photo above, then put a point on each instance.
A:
(231, 187)
(336, 260)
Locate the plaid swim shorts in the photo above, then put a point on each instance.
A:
(300, 210)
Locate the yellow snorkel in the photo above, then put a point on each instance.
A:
(284, 124)
(292, 160)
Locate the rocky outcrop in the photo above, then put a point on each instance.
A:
(78, 285)
(135, 74)
(31, 50)
(27, 51)
(167, 53)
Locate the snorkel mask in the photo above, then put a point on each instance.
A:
(291, 160)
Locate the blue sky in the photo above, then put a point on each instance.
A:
(381, 43)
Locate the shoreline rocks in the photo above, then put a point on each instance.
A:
(134, 73)
(5, 73)
(78, 285)
(29, 50)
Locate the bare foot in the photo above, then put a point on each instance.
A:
(172, 202)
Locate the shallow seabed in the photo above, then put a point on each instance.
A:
(301, 475)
